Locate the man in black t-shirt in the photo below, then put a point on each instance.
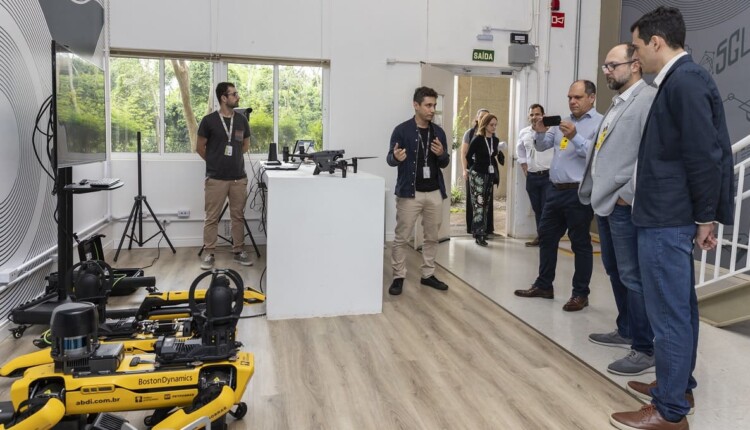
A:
(223, 138)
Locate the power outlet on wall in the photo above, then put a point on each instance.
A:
(183, 213)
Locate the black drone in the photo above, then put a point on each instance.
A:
(329, 161)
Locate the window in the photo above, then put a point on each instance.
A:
(134, 103)
(300, 105)
(165, 99)
(298, 99)
(188, 90)
(254, 83)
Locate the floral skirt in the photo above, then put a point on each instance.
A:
(481, 200)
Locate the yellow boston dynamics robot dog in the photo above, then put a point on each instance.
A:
(182, 381)
(160, 314)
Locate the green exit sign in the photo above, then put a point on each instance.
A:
(483, 55)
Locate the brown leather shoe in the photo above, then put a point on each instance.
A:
(534, 242)
(642, 390)
(576, 304)
(536, 292)
(647, 418)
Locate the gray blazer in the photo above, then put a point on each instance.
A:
(615, 162)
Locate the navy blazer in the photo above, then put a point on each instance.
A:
(685, 170)
(407, 136)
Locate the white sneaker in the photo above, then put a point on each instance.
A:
(208, 262)
(243, 258)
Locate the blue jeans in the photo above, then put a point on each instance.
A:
(537, 187)
(619, 242)
(666, 258)
(563, 211)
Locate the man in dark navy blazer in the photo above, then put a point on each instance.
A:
(684, 185)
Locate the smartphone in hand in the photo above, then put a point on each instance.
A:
(549, 121)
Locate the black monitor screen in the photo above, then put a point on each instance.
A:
(78, 109)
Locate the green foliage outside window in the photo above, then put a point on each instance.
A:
(188, 97)
(134, 103)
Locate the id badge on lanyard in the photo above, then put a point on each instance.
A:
(491, 170)
(228, 150)
(425, 149)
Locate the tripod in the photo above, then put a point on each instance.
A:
(247, 229)
(136, 215)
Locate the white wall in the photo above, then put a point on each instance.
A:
(367, 96)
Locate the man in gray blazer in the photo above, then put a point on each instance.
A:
(608, 186)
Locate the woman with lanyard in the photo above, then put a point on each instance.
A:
(483, 175)
(466, 164)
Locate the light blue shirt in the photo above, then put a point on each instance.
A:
(569, 163)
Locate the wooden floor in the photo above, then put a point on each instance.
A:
(431, 360)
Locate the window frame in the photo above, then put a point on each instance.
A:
(220, 73)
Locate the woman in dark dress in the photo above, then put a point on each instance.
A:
(466, 164)
(483, 174)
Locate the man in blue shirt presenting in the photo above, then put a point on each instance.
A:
(563, 210)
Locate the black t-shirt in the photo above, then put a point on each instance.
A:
(426, 185)
(221, 161)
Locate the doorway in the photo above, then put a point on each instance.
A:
(474, 91)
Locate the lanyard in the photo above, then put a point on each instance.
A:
(488, 142)
(227, 130)
(422, 143)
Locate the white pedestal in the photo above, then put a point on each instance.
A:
(325, 243)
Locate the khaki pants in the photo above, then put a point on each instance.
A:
(430, 206)
(216, 192)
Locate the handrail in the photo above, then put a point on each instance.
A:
(741, 144)
(740, 170)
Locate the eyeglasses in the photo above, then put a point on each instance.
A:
(234, 94)
(612, 66)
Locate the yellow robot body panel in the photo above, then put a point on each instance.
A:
(182, 297)
(45, 418)
(139, 345)
(245, 366)
(25, 361)
(252, 296)
(167, 317)
(19, 390)
(142, 386)
(92, 399)
(213, 410)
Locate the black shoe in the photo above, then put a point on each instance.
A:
(435, 283)
(481, 241)
(396, 287)
(534, 242)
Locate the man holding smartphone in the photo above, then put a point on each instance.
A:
(563, 210)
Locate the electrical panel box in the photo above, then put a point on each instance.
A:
(521, 55)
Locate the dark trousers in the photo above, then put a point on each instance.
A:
(563, 211)
(470, 211)
(537, 187)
